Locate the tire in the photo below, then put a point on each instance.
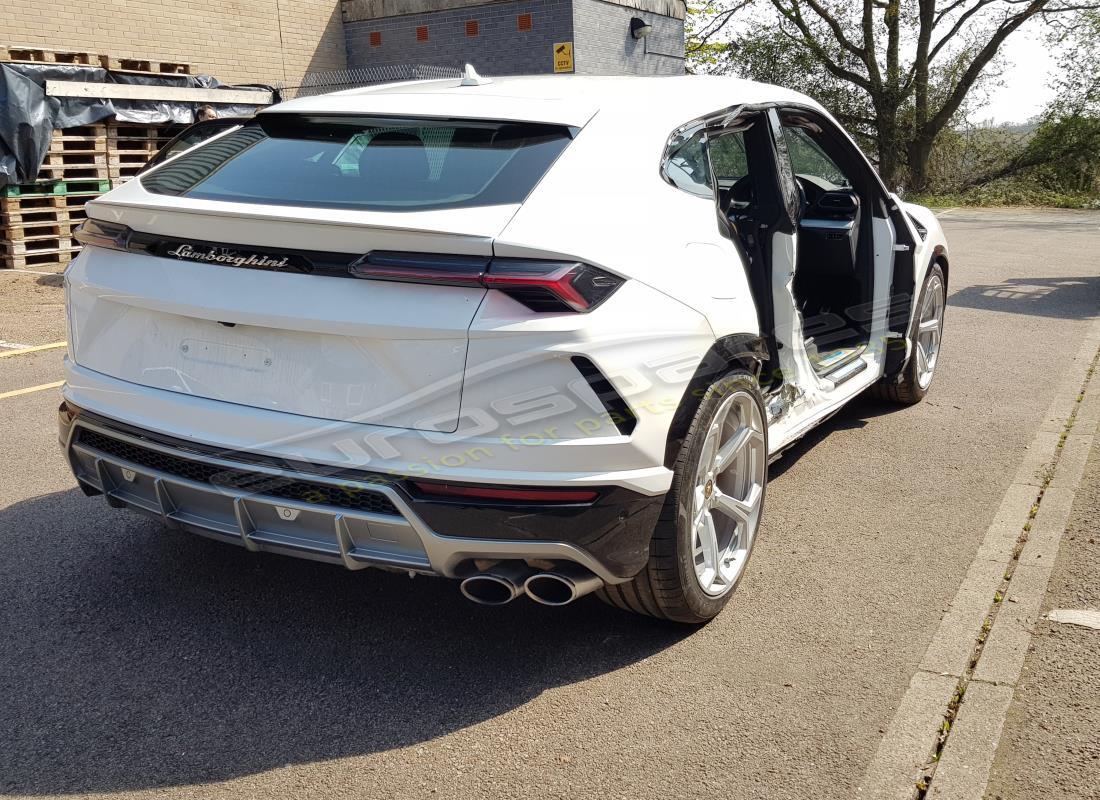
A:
(914, 382)
(669, 587)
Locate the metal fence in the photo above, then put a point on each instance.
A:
(335, 80)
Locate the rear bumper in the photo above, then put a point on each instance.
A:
(358, 519)
(600, 459)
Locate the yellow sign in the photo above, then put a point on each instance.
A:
(563, 56)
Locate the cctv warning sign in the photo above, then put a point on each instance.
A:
(563, 56)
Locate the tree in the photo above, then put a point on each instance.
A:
(896, 71)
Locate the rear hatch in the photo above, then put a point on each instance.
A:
(227, 273)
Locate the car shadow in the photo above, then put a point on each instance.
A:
(1065, 298)
(853, 416)
(138, 657)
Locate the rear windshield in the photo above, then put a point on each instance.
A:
(352, 162)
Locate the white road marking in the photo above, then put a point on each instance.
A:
(1076, 616)
(946, 211)
(30, 389)
(13, 345)
(32, 349)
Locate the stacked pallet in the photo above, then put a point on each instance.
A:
(130, 146)
(37, 219)
(36, 227)
(76, 154)
(37, 55)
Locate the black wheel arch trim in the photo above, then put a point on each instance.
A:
(739, 350)
(897, 357)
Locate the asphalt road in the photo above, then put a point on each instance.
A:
(140, 661)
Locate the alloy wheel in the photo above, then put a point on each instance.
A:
(728, 495)
(930, 331)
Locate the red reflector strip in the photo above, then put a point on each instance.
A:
(541, 285)
(416, 268)
(519, 495)
(559, 282)
(413, 275)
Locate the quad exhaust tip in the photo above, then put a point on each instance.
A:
(505, 582)
(561, 586)
(490, 590)
(497, 586)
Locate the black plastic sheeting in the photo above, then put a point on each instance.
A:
(28, 116)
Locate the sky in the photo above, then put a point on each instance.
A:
(1028, 64)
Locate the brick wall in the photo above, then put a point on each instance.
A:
(604, 45)
(499, 47)
(237, 42)
(381, 32)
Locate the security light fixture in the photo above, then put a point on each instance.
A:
(639, 28)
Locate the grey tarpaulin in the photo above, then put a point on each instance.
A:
(28, 115)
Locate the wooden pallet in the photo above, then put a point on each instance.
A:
(73, 172)
(87, 138)
(17, 204)
(29, 202)
(122, 137)
(27, 231)
(40, 55)
(145, 65)
(75, 158)
(75, 186)
(39, 260)
(121, 176)
(17, 211)
(36, 55)
(34, 244)
(10, 219)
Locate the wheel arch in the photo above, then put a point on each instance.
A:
(939, 256)
(746, 351)
(897, 359)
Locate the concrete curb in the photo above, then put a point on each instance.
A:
(973, 743)
(965, 655)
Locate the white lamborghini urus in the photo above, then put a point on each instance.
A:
(542, 335)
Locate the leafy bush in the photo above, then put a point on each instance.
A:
(1009, 192)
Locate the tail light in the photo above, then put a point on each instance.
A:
(441, 270)
(541, 285)
(551, 285)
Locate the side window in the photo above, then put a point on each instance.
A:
(686, 167)
(729, 158)
(810, 160)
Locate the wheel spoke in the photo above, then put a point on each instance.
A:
(723, 412)
(739, 510)
(730, 449)
(922, 358)
(700, 503)
(710, 445)
(930, 325)
(708, 540)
